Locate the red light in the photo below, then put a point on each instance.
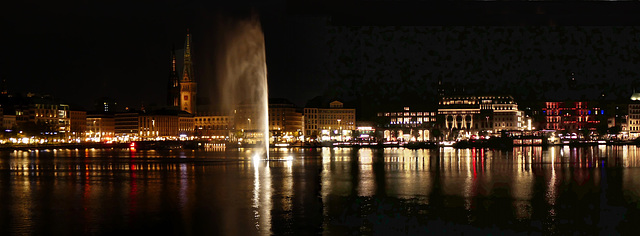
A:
(133, 145)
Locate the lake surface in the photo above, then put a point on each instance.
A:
(331, 191)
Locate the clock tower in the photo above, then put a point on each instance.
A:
(188, 86)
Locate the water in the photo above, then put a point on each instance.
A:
(325, 191)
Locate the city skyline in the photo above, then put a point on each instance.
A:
(332, 117)
(322, 52)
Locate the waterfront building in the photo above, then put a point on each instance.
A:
(212, 126)
(173, 86)
(54, 115)
(186, 124)
(127, 125)
(407, 125)
(366, 132)
(285, 121)
(9, 122)
(158, 125)
(571, 116)
(475, 114)
(23, 112)
(633, 118)
(77, 123)
(165, 124)
(246, 124)
(100, 127)
(333, 123)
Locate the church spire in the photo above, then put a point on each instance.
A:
(188, 86)
(187, 74)
(173, 86)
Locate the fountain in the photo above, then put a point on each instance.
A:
(242, 73)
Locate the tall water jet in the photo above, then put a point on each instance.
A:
(242, 77)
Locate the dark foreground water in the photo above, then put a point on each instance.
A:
(559, 190)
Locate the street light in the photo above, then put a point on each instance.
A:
(340, 128)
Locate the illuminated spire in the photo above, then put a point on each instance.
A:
(173, 86)
(188, 85)
(187, 74)
(173, 60)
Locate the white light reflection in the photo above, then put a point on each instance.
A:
(184, 184)
(551, 187)
(625, 154)
(470, 181)
(522, 185)
(261, 196)
(366, 186)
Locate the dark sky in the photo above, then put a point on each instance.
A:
(368, 52)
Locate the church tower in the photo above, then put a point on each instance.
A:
(173, 87)
(187, 83)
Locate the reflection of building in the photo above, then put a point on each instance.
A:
(212, 126)
(480, 113)
(571, 116)
(408, 125)
(333, 123)
(285, 122)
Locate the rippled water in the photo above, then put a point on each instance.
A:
(558, 190)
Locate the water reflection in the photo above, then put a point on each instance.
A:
(324, 191)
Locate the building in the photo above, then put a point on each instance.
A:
(334, 123)
(105, 105)
(186, 124)
(54, 115)
(9, 122)
(38, 115)
(188, 86)
(165, 124)
(212, 126)
(571, 116)
(173, 86)
(470, 115)
(127, 125)
(100, 127)
(633, 117)
(248, 122)
(285, 121)
(153, 126)
(77, 123)
(407, 125)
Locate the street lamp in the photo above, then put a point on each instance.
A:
(340, 128)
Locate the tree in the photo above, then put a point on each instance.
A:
(39, 129)
(614, 130)
(436, 133)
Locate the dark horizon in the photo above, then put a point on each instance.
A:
(363, 53)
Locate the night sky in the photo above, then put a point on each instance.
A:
(378, 54)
